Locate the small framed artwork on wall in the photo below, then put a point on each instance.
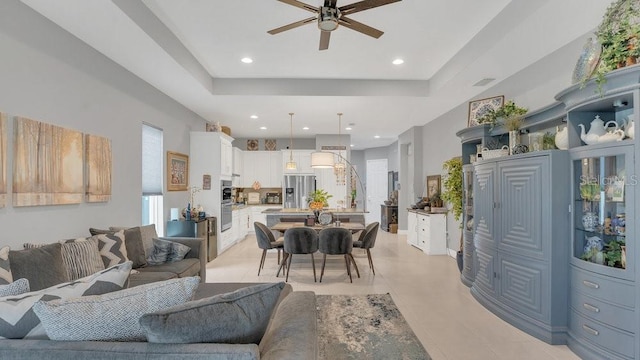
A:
(433, 185)
(177, 171)
(479, 108)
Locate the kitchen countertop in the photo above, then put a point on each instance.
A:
(309, 211)
(244, 206)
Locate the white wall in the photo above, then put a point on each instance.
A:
(49, 75)
(534, 88)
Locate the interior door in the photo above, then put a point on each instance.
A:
(377, 191)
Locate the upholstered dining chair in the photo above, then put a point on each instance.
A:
(367, 240)
(337, 241)
(266, 241)
(299, 240)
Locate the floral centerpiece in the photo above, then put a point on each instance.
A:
(318, 199)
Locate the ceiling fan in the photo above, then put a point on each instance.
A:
(329, 16)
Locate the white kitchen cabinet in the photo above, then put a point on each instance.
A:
(238, 167)
(264, 167)
(226, 157)
(257, 215)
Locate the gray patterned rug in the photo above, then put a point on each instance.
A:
(365, 327)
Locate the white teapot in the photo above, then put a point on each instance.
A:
(562, 139)
(615, 135)
(596, 130)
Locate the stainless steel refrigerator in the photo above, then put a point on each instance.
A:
(296, 189)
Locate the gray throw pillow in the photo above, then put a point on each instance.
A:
(5, 267)
(148, 233)
(17, 287)
(112, 248)
(42, 266)
(167, 251)
(81, 257)
(133, 243)
(239, 317)
(17, 317)
(113, 316)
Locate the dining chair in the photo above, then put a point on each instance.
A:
(337, 241)
(266, 241)
(299, 240)
(367, 240)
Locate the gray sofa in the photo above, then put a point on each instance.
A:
(193, 264)
(291, 334)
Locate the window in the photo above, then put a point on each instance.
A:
(152, 200)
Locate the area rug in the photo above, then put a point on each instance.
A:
(365, 327)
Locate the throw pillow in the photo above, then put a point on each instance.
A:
(17, 287)
(148, 233)
(5, 268)
(239, 317)
(167, 251)
(133, 243)
(112, 248)
(81, 257)
(18, 320)
(178, 251)
(113, 316)
(42, 266)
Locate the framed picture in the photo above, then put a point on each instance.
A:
(433, 185)
(206, 182)
(177, 171)
(617, 190)
(478, 108)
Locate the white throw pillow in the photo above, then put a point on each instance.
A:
(17, 287)
(17, 319)
(114, 316)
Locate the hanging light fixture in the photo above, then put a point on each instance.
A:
(339, 168)
(291, 165)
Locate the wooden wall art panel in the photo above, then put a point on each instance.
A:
(97, 168)
(47, 164)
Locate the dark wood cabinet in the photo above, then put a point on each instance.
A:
(388, 215)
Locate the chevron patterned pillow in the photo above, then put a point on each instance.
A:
(18, 320)
(17, 287)
(112, 248)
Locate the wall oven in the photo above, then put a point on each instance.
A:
(226, 216)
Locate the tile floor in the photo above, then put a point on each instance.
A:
(427, 289)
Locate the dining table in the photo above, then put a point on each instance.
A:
(352, 226)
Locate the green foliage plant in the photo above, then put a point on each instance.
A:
(452, 186)
(508, 112)
(548, 141)
(319, 196)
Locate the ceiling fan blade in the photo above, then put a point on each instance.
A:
(360, 27)
(325, 36)
(301, 5)
(292, 25)
(364, 5)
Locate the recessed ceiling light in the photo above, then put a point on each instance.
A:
(305, 128)
(397, 61)
(254, 116)
(263, 128)
(352, 145)
(484, 82)
(348, 128)
(246, 60)
(377, 136)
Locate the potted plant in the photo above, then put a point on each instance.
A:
(509, 112)
(318, 199)
(452, 194)
(619, 36)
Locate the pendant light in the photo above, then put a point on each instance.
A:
(291, 165)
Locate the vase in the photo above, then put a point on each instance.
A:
(590, 221)
(514, 140)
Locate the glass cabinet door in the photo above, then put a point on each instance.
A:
(468, 198)
(602, 192)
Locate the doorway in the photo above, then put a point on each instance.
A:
(377, 190)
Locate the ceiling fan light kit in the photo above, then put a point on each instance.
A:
(330, 16)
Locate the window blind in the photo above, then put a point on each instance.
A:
(151, 160)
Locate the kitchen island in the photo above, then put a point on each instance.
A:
(275, 216)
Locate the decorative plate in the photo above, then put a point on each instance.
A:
(252, 145)
(325, 218)
(587, 62)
